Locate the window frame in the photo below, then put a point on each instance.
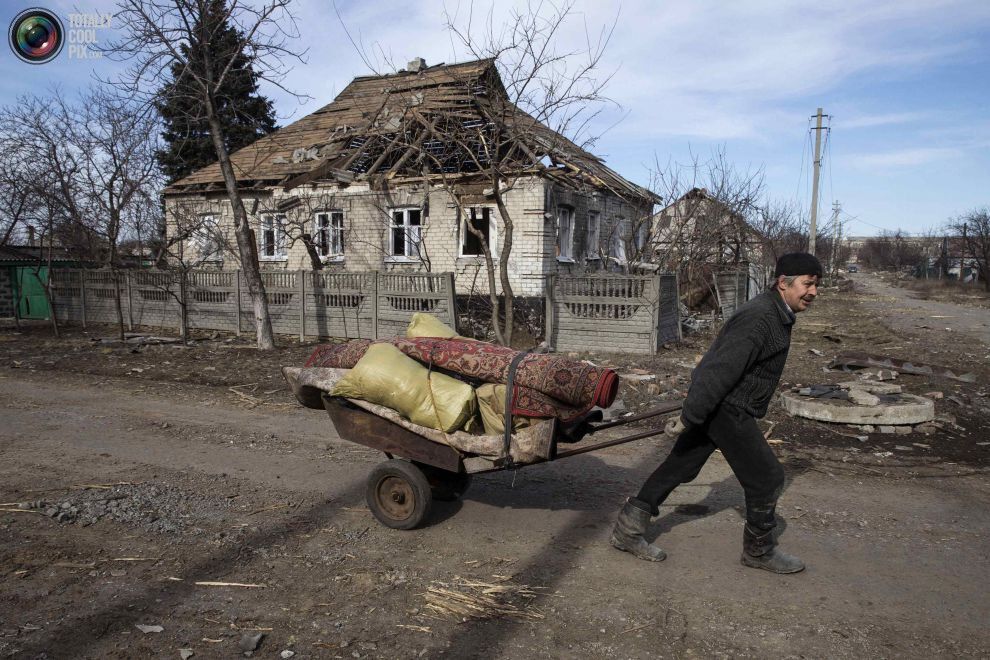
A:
(331, 231)
(206, 235)
(568, 212)
(464, 232)
(594, 228)
(406, 257)
(617, 247)
(279, 237)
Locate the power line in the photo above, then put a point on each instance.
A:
(804, 151)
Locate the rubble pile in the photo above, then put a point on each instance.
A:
(157, 508)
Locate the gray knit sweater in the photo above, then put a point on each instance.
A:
(744, 364)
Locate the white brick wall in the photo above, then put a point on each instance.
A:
(531, 203)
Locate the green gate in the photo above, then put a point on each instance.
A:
(31, 300)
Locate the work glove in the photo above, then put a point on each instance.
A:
(674, 427)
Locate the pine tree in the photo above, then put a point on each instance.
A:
(245, 114)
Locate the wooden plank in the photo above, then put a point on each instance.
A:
(364, 428)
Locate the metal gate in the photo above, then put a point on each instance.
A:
(31, 300)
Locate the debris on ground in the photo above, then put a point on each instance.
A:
(249, 642)
(468, 599)
(848, 359)
(149, 629)
(859, 403)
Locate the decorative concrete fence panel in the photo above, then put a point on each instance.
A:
(284, 302)
(401, 296)
(212, 300)
(302, 303)
(615, 313)
(67, 291)
(153, 299)
(340, 305)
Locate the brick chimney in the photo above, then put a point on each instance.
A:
(416, 64)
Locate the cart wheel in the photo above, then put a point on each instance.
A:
(447, 486)
(398, 494)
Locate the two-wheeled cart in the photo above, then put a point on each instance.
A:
(418, 470)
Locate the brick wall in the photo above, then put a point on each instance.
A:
(6, 292)
(531, 202)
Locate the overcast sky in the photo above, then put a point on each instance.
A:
(906, 85)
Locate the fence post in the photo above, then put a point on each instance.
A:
(302, 305)
(451, 300)
(82, 291)
(374, 306)
(130, 301)
(183, 303)
(656, 313)
(237, 302)
(549, 320)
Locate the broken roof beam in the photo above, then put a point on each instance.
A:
(324, 170)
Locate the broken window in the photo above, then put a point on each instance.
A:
(642, 236)
(404, 233)
(271, 238)
(480, 219)
(617, 246)
(328, 234)
(594, 232)
(565, 232)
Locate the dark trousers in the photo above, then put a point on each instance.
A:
(736, 434)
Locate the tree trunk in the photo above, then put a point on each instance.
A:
(314, 256)
(246, 246)
(503, 265)
(116, 298)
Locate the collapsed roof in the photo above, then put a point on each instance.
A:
(448, 122)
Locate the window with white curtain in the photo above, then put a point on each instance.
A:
(405, 233)
(593, 234)
(328, 234)
(271, 238)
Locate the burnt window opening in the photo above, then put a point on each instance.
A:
(480, 219)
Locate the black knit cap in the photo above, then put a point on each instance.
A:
(798, 263)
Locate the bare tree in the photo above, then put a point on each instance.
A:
(973, 228)
(713, 218)
(505, 138)
(891, 250)
(116, 140)
(163, 35)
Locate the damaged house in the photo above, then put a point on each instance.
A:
(705, 240)
(414, 171)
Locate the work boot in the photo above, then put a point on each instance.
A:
(629, 528)
(759, 551)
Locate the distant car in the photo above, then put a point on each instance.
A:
(853, 269)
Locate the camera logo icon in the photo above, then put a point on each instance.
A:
(36, 35)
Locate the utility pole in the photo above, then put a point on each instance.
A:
(814, 186)
(962, 257)
(835, 239)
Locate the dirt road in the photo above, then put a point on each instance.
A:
(908, 311)
(208, 489)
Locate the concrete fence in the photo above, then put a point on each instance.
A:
(633, 314)
(304, 303)
(615, 313)
(732, 290)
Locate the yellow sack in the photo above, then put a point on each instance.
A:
(427, 325)
(388, 377)
(491, 405)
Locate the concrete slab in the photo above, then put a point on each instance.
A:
(910, 409)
